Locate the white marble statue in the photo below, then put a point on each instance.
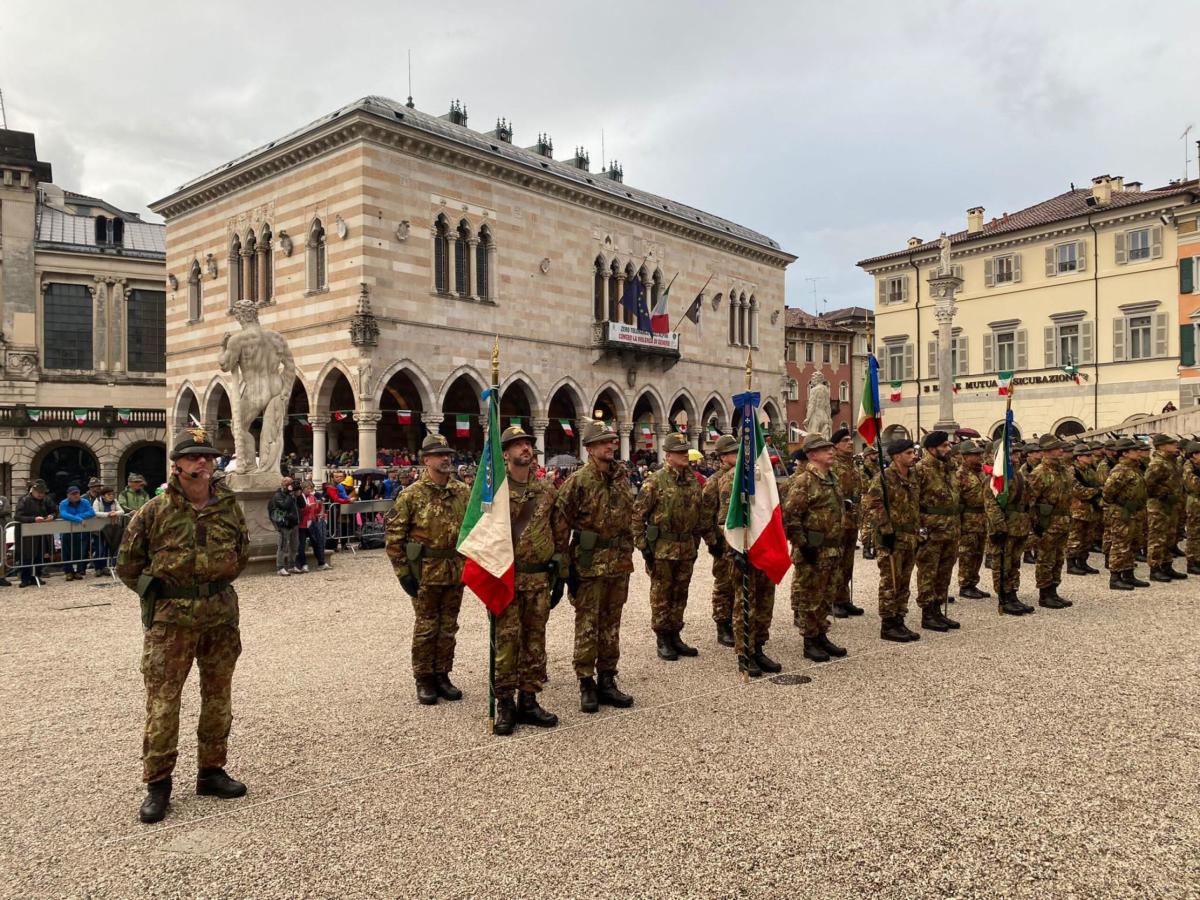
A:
(263, 371)
(944, 266)
(817, 419)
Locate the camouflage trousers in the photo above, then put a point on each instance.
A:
(1162, 532)
(1051, 552)
(1010, 554)
(1081, 536)
(435, 623)
(598, 604)
(211, 638)
(1141, 520)
(669, 581)
(845, 567)
(1192, 525)
(894, 590)
(521, 641)
(935, 565)
(722, 595)
(1120, 542)
(970, 557)
(813, 589)
(762, 608)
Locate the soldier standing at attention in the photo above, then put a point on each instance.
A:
(1086, 489)
(597, 504)
(181, 553)
(1125, 497)
(1050, 508)
(973, 490)
(1164, 488)
(1191, 489)
(1008, 529)
(422, 537)
(896, 524)
(722, 566)
(668, 523)
(938, 549)
(1141, 521)
(814, 519)
(1033, 458)
(539, 549)
(870, 469)
(851, 485)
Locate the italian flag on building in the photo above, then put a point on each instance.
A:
(897, 391)
(338, 415)
(485, 538)
(462, 426)
(80, 416)
(34, 414)
(123, 416)
(566, 427)
(754, 523)
(1004, 381)
(404, 417)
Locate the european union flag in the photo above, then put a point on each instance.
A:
(643, 313)
(633, 292)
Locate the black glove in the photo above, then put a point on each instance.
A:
(810, 555)
(714, 550)
(410, 585)
(1039, 529)
(573, 580)
(888, 542)
(1000, 537)
(648, 556)
(556, 592)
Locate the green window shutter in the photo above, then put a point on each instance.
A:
(1187, 344)
(1187, 275)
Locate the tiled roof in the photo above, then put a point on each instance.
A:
(848, 312)
(1069, 205)
(798, 318)
(60, 230)
(441, 128)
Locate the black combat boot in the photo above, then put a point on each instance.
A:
(814, 651)
(1091, 570)
(839, 611)
(445, 688)
(1193, 568)
(931, 620)
(946, 620)
(1176, 553)
(1061, 599)
(1134, 580)
(1029, 557)
(868, 552)
(680, 647)
(427, 693)
(1010, 606)
(611, 695)
(1173, 572)
(764, 662)
(588, 701)
(530, 712)
(829, 646)
(1140, 556)
(158, 798)
(971, 592)
(852, 609)
(666, 650)
(1159, 574)
(506, 714)
(725, 633)
(1077, 567)
(1117, 582)
(749, 665)
(214, 782)
(1023, 605)
(1047, 599)
(892, 629)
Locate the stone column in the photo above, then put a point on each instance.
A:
(620, 292)
(943, 288)
(661, 431)
(368, 423)
(248, 287)
(695, 437)
(116, 331)
(99, 292)
(623, 430)
(431, 421)
(539, 438)
(469, 269)
(320, 434)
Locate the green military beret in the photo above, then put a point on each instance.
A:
(816, 442)
(675, 443)
(1191, 447)
(435, 444)
(193, 440)
(727, 443)
(1050, 442)
(596, 431)
(515, 433)
(1160, 440)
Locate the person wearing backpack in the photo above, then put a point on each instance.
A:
(284, 513)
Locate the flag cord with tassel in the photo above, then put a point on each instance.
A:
(748, 449)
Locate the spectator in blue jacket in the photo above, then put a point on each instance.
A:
(74, 509)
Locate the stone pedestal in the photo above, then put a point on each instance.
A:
(253, 493)
(942, 288)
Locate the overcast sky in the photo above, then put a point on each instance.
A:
(838, 132)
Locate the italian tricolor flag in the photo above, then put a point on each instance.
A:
(1002, 464)
(462, 426)
(869, 422)
(123, 416)
(1004, 381)
(485, 538)
(80, 416)
(897, 391)
(566, 427)
(339, 416)
(754, 524)
(404, 417)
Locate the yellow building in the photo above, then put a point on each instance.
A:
(1188, 227)
(1086, 279)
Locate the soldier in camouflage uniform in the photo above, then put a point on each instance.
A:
(722, 566)
(1086, 512)
(1164, 488)
(1008, 529)
(181, 552)
(941, 509)
(870, 469)
(1125, 497)
(1141, 520)
(1191, 490)
(896, 522)
(668, 523)
(422, 537)
(972, 490)
(814, 519)
(851, 486)
(1033, 458)
(597, 504)
(540, 540)
(1050, 509)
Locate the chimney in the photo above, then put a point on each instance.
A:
(615, 172)
(543, 147)
(1134, 187)
(974, 219)
(502, 132)
(1102, 189)
(915, 242)
(580, 160)
(1118, 182)
(457, 114)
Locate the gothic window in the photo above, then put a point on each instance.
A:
(598, 299)
(317, 259)
(146, 318)
(67, 327)
(733, 314)
(614, 296)
(235, 271)
(194, 307)
(624, 314)
(644, 278)
(483, 268)
(250, 273)
(441, 253)
(753, 321)
(656, 288)
(742, 308)
(265, 260)
(462, 259)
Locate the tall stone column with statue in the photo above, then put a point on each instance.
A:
(817, 419)
(943, 286)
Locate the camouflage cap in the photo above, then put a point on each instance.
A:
(727, 443)
(515, 433)
(434, 445)
(1050, 442)
(192, 440)
(675, 443)
(596, 431)
(1160, 440)
(968, 447)
(1125, 443)
(816, 442)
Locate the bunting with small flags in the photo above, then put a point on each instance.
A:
(897, 391)
(566, 427)
(80, 416)
(339, 415)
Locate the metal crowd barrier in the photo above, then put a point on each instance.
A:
(82, 545)
(344, 521)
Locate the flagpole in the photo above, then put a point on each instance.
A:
(744, 556)
(684, 316)
(1007, 478)
(494, 398)
(883, 487)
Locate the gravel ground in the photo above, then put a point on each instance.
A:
(1054, 755)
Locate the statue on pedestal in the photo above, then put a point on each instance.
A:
(817, 419)
(263, 371)
(944, 266)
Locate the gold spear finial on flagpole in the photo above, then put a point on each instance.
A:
(749, 368)
(496, 362)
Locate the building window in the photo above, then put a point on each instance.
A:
(317, 267)
(733, 311)
(235, 271)
(1066, 257)
(267, 277)
(895, 362)
(615, 286)
(483, 268)
(1006, 351)
(462, 259)
(195, 308)
(598, 290)
(441, 255)
(1140, 330)
(844, 392)
(843, 354)
(893, 290)
(790, 353)
(1138, 243)
(826, 353)
(743, 315)
(808, 351)
(250, 254)
(1004, 269)
(67, 327)
(146, 315)
(753, 314)
(1068, 344)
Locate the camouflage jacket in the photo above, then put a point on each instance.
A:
(851, 485)
(1103, 470)
(902, 515)
(428, 514)
(973, 490)
(1164, 482)
(1125, 489)
(712, 513)
(1086, 490)
(814, 515)
(1191, 484)
(545, 535)
(673, 504)
(1050, 496)
(132, 501)
(602, 503)
(182, 546)
(1013, 519)
(941, 505)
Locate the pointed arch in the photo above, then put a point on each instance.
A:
(658, 409)
(485, 250)
(577, 396)
(316, 258)
(715, 407)
(322, 392)
(234, 275)
(250, 268)
(599, 287)
(612, 391)
(266, 277)
(684, 400)
(770, 408)
(186, 398)
(752, 336)
(415, 375)
(218, 386)
(441, 254)
(479, 383)
(527, 385)
(741, 324)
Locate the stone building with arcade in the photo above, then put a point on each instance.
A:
(389, 247)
